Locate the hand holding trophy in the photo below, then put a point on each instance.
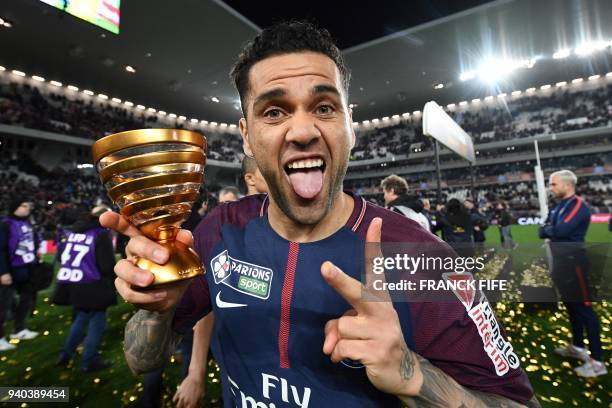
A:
(154, 176)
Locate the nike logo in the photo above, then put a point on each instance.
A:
(224, 305)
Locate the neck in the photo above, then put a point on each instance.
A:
(388, 203)
(336, 218)
(568, 195)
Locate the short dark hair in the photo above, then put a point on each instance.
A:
(395, 183)
(249, 165)
(285, 38)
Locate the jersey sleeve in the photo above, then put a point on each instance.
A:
(446, 335)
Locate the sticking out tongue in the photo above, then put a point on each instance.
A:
(306, 183)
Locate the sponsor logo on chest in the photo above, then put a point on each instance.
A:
(250, 279)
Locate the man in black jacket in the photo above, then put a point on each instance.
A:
(479, 220)
(85, 281)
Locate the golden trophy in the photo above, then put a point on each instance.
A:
(154, 176)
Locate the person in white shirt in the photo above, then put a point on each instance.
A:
(395, 190)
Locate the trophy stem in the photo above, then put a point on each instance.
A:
(183, 263)
(166, 233)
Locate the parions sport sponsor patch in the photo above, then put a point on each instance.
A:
(245, 277)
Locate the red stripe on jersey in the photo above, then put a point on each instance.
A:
(574, 211)
(286, 294)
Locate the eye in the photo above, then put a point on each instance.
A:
(325, 109)
(273, 113)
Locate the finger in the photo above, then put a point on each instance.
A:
(372, 249)
(148, 298)
(118, 223)
(331, 336)
(132, 274)
(176, 396)
(344, 285)
(355, 328)
(357, 350)
(143, 247)
(185, 236)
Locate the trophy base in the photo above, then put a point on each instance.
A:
(183, 264)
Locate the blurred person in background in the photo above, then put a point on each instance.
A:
(397, 199)
(17, 258)
(565, 228)
(198, 211)
(503, 219)
(85, 282)
(479, 220)
(457, 227)
(254, 181)
(228, 194)
(429, 214)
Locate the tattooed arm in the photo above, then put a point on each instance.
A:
(440, 390)
(149, 340)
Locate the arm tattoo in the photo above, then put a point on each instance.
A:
(149, 341)
(440, 390)
(407, 363)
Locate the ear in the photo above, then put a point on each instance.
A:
(249, 179)
(246, 146)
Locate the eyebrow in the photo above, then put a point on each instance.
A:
(280, 92)
(319, 89)
(269, 95)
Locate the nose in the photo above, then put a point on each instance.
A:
(302, 129)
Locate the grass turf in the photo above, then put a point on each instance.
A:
(533, 332)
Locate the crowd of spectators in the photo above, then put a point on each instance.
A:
(528, 115)
(50, 192)
(24, 105)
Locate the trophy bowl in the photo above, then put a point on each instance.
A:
(154, 177)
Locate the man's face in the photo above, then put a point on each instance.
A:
(299, 130)
(23, 210)
(226, 197)
(558, 187)
(389, 195)
(468, 204)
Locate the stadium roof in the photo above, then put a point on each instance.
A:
(182, 51)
